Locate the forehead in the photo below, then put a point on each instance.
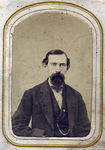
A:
(57, 58)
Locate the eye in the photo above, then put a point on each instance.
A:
(53, 64)
(62, 65)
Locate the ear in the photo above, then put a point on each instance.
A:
(66, 71)
(45, 68)
(68, 67)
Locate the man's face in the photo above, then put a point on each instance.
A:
(57, 67)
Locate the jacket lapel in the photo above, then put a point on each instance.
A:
(71, 106)
(46, 104)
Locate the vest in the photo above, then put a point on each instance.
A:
(61, 126)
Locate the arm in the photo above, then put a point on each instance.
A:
(83, 125)
(21, 118)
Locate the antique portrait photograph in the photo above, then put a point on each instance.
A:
(49, 48)
(52, 77)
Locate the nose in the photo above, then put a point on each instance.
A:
(58, 68)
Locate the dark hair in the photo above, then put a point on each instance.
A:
(55, 52)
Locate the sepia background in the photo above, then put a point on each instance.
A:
(38, 34)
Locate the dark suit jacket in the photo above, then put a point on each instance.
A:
(36, 104)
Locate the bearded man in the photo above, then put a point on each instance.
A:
(56, 109)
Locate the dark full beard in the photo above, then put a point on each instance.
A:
(57, 79)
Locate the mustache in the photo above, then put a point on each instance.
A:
(58, 74)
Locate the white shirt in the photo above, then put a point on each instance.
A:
(58, 95)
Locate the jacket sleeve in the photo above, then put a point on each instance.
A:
(21, 119)
(83, 124)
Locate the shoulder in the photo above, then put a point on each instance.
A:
(37, 88)
(73, 91)
(77, 96)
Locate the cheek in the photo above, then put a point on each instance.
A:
(64, 70)
(50, 70)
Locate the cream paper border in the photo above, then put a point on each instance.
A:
(97, 87)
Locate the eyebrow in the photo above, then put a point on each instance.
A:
(54, 63)
(62, 63)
